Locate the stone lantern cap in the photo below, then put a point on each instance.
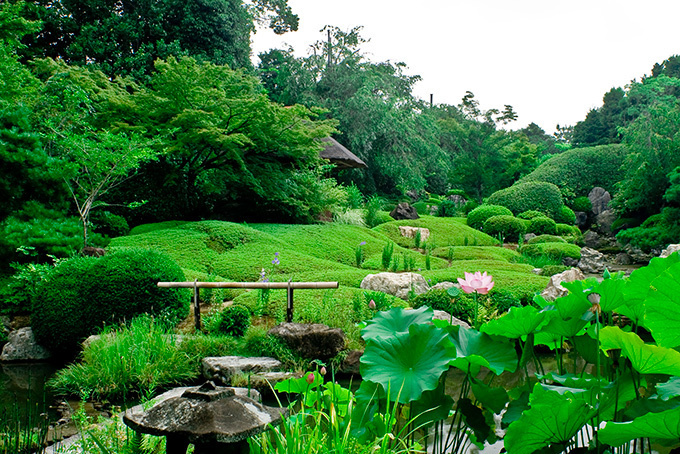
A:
(205, 414)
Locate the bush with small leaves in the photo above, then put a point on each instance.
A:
(78, 296)
(546, 239)
(447, 209)
(566, 229)
(509, 227)
(479, 215)
(535, 195)
(529, 215)
(566, 216)
(232, 321)
(554, 251)
(582, 204)
(542, 225)
(461, 307)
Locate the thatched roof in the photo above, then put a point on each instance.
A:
(339, 155)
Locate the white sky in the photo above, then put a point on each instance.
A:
(552, 60)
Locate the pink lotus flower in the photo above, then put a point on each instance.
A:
(477, 282)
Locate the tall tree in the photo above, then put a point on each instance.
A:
(126, 37)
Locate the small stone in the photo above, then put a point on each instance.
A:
(443, 315)
(404, 211)
(411, 232)
(623, 259)
(352, 363)
(669, 250)
(599, 198)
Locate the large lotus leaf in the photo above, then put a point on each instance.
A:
(475, 349)
(576, 302)
(646, 359)
(367, 398)
(433, 406)
(586, 346)
(550, 340)
(663, 307)
(517, 322)
(565, 327)
(552, 419)
(479, 422)
(406, 364)
(611, 293)
(670, 389)
(299, 385)
(638, 286)
(662, 426)
(395, 321)
(492, 398)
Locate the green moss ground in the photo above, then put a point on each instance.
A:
(224, 251)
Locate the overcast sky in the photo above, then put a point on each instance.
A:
(552, 60)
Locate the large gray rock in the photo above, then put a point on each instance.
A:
(554, 288)
(313, 341)
(443, 315)
(637, 255)
(599, 198)
(591, 239)
(591, 261)
(397, 284)
(23, 347)
(411, 232)
(352, 363)
(222, 369)
(605, 220)
(669, 250)
(404, 211)
(444, 285)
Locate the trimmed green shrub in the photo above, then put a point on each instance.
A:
(546, 239)
(504, 300)
(381, 217)
(566, 216)
(82, 294)
(232, 321)
(468, 207)
(529, 215)
(462, 307)
(447, 209)
(422, 208)
(479, 215)
(554, 251)
(566, 229)
(582, 203)
(508, 226)
(575, 172)
(542, 225)
(551, 270)
(107, 223)
(538, 196)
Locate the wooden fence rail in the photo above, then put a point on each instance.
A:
(289, 286)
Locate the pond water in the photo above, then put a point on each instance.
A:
(22, 388)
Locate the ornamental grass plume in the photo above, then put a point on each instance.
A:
(477, 283)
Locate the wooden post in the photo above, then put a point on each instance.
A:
(197, 307)
(289, 311)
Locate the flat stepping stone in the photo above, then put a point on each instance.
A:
(222, 369)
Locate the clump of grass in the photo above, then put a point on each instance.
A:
(135, 360)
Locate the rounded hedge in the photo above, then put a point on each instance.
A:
(447, 209)
(508, 226)
(233, 321)
(566, 229)
(479, 215)
(582, 203)
(462, 307)
(566, 216)
(542, 225)
(546, 239)
(555, 251)
(535, 195)
(81, 295)
(528, 215)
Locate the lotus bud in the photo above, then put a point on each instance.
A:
(310, 378)
(323, 370)
(371, 305)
